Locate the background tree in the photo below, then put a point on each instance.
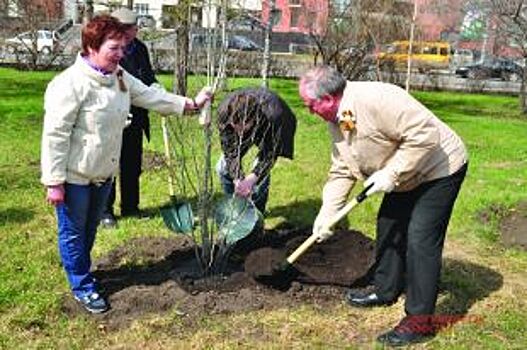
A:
(500, 24)
(356, 29)
(30, 16)
(509, 19)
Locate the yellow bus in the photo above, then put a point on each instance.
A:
(426, 55)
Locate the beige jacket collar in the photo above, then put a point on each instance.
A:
(105, 80)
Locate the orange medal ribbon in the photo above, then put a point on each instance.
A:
(347, 121)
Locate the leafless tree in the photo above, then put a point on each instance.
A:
(353, 32)
(190, 145)
(31, 16)
(510, 19)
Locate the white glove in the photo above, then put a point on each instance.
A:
(203, 96)
(321, 231)
(382, 182)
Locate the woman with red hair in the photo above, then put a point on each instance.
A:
(86, 110)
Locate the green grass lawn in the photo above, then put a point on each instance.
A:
(489, 281)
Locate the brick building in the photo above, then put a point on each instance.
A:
(300, 16)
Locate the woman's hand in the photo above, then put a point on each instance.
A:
(201, 99)
(55, 194)
(203, 96)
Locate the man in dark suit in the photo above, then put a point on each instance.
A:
(137, 63)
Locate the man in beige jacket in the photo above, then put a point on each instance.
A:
(382, 135)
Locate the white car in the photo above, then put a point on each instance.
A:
(44, 39)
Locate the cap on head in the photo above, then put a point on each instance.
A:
(125, 16)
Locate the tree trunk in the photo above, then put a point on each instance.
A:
(182, 51)
(523, 89)
(267, 44)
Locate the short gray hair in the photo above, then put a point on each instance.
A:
(323, 80)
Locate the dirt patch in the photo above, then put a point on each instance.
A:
(493, 212)
(513, 227)
(154, 275)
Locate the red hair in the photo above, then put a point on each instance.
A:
(100, 29)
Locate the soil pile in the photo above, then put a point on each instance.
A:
(513, 227)
(152, 275)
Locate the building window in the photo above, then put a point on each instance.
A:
(295, 16)
(169, 16)
(295, 7)
(141, 9)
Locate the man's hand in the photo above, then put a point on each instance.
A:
(203, 96)
(55, 194)
(382, 182)
(321, 231)
(245, 186)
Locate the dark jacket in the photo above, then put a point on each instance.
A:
(137, 63)
(269, 124)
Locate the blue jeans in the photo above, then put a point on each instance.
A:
(78, 218)
(261, 190)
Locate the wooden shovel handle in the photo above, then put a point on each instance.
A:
(168, 157)
(336, 218)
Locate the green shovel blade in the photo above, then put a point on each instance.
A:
(178, 217)
(235, 218)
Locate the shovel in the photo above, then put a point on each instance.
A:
(236, 217)
(281, 274)
(177, 216)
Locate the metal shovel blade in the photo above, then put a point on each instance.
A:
(235, 218)
(178, 217)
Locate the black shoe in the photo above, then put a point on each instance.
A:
(361, 299)
(108, 221)
(411, 330)
(134, 212)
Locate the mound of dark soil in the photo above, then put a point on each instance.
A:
(513, 227)
(164, 275)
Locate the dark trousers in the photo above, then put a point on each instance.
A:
(130, 170)
(411, 228)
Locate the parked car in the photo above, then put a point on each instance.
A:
(426, 55)
(245, 23)
(492, 67)
(198, 41)
(239, 42)
(462, 57)
(44, 40)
